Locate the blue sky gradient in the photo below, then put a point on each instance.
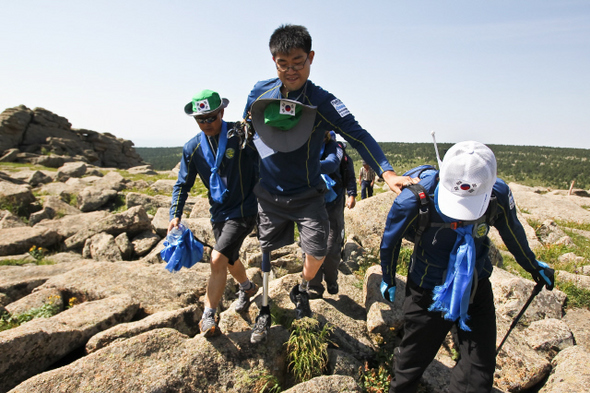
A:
(499, 72)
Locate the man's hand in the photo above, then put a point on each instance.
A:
(545, 274)
(351, 201)
(396, 183)
(387, 291)
(173, 223)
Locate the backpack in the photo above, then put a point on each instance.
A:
(481, 226)
(343, 168)
(343, 164)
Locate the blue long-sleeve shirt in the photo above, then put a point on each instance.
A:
(296, 171)
(431, 260)
(239, 168)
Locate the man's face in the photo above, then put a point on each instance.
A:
(292, 79)
(213, 128)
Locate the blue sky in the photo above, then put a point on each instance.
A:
(499, 72)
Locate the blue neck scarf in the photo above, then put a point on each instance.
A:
(217, 188)
(452, 297)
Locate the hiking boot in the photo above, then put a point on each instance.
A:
(208, 325)
(315, 292)
(333, 289)
(260, 329)
(244, 301)
(301, 302)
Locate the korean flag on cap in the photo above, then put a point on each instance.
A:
(287, 108)
(202, 106)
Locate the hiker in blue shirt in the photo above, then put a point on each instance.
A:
(342, 191)
(229, 173)
(291, 187)
(448, 280)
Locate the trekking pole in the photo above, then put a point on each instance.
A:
(536, 291)
(436, 149)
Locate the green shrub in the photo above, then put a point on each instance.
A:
(307, 349)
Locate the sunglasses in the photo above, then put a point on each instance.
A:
(207, 120)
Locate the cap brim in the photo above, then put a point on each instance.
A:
(188, 108)
(463, 208)
(284, 141)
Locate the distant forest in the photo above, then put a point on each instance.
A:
(553, 167)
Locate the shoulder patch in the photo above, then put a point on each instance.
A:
(340, 107)
(511, 199)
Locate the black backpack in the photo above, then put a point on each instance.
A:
(344, 164)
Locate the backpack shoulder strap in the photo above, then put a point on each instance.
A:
(423, 213)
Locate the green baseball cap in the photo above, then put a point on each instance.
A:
(204, 103)
(283, 125)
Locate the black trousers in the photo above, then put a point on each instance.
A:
(425, 331)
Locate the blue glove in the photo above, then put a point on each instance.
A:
(545, 274)
(387, 291)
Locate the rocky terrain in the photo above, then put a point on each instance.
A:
(41, 137)
(128, 325)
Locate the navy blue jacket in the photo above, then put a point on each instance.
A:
(432, 260)
(238, 167)
(299, 170)
(330, 164)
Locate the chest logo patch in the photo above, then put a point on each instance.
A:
(230, 153)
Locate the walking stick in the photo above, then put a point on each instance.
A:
(536, 291)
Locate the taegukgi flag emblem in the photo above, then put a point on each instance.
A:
(287, 108)
(201, 106)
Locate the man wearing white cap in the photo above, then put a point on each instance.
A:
(448, 279)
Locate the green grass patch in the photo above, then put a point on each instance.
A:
(576, 297)
(307, 349)
(47, 310)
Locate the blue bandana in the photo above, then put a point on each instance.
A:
(452, 297)
(217, 188)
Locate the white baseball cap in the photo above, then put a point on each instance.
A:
(467, 176)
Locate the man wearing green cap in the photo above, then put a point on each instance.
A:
(291, 187)
(229, 173)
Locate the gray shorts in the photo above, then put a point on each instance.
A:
(277, 216)
(230, 234)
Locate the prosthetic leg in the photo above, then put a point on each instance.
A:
(263, 320)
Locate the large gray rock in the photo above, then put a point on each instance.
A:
(19, 196)
(9, 220)
(367, 220)
(554, 207)
(73, 169)
(578, 320)
(580, 280)
(102, 247)
(327, 384)
(511, 292)
(570, 372)
(185, 320)
(549, 336)
(13, 123)
(153, 286)
(163, 186)
(34, 177)
(17, 282)
(383, 318)
(72, 223)
(18, 240)
(132, 221)
(164, 360)
(40, 131)
(93, 197)
(34, 346)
